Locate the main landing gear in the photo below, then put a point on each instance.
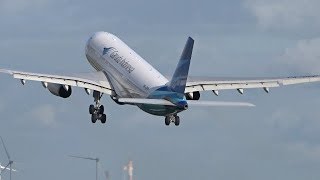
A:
(97, 110)
(172, 118)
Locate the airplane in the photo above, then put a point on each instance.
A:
(130, 80)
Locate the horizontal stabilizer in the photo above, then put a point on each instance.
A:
(145, 101)
(219, 103)
(190, 102)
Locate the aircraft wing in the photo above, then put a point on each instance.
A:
(215, 84)
(90, 81)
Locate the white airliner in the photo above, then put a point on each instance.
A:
(129, 79)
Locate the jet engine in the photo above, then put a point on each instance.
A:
(193, 95)
(60, 90)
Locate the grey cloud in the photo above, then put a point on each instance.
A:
(277, 14)
(303, 57)
(20, 6)
(44, 114)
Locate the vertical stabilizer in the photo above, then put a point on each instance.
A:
(179, 78)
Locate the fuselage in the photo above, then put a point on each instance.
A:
(130, 75)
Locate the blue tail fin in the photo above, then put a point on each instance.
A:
(179, 78)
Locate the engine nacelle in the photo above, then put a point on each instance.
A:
(59, 90)
(193, 95)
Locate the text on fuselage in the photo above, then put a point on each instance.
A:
(113, 53)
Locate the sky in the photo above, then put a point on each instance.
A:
(277, 139)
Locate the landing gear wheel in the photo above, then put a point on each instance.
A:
(91, 109)
(94, 118)
(167, 120)
(97, 110)
(101, 109)
(177, 120)
(103, 118)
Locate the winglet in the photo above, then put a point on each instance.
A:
(179, 78)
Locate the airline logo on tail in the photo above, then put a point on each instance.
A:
(179, 78)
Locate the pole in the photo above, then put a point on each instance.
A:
(96, 169)
(10, 171)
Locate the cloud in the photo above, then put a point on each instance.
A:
(305, 152)
(303, 57)
(285, 119)
(284, 13)
(45, 114)
(2, 104)
(298, 20)
(18, 6)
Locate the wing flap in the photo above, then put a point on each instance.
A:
(298, 80)
(225, 86)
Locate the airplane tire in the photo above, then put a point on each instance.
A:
(177, 121)
(101, 109)
(103, 118)
(167, 120)
(91, 109)
(94, 118)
